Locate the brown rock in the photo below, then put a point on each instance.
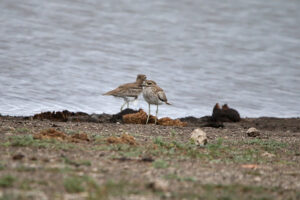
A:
(166, 121)
(50, 134)
(124, 139)
(141, 118)
(57, 135)
(62, 116)
(225, 114)
(18, 156)
(81, 136)
(159, 185)
(138, 118)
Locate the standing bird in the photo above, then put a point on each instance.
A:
(129, 90)
(153, 94)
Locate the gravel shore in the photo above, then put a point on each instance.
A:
(164, 164)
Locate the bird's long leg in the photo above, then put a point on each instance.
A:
(127, 102)
(135, 98)
(148, 113)
(156, 113)
(123, 106)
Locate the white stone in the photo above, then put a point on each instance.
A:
(199, 137)
(257, 179)
(267, 154)
(159, 185)
(252, 132)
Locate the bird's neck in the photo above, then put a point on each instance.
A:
(139, 81)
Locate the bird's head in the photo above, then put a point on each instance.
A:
(149, 83)
(141, 77)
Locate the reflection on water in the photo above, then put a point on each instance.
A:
(63, 54)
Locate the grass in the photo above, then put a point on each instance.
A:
(227, 192)
(6, 181)
(160, 164)
(23, 168)
(22, 130)
(71, 132)
(2, 166)
(28, 141)
(77, 163)
(73, 184)
(26, 184)
(76, 184)
(179, 178)
(267, 145)
(109, 188)
(219, 151)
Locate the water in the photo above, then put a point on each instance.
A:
(63, 54)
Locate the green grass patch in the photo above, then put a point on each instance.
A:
(77, 163)
(71, 132)
(23, 168)
(229, 192)
(22, 130)
(26, 184)
(179, 178)
(2, 166)
(73, 184)
(267, 145)
(7, 181)
(160, 164)
(28, 141)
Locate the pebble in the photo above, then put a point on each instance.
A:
(159, 185)
(267, 154)
(199, 137)
(257, 179)
(253, 132)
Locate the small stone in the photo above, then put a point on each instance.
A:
(257, 179)
(95, 169)
(253, 132)
(18, 156)
(8, 134)
(33, 158)
(8, 129)
(167, 195)
(147, 159)
(267, 154)
(199, 137)
(159, 185)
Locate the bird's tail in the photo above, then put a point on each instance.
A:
(168, 103)
(110, 92)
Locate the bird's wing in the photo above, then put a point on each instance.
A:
(128, 89)
(161, 95)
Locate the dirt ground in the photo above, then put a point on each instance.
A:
(162, 163)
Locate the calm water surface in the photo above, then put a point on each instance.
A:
(63, 54)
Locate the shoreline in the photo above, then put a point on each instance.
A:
(264, 123)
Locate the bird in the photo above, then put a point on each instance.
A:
(153, 94)
(129, 90)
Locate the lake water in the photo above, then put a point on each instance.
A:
(63, 54)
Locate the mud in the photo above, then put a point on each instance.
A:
(60, 136)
